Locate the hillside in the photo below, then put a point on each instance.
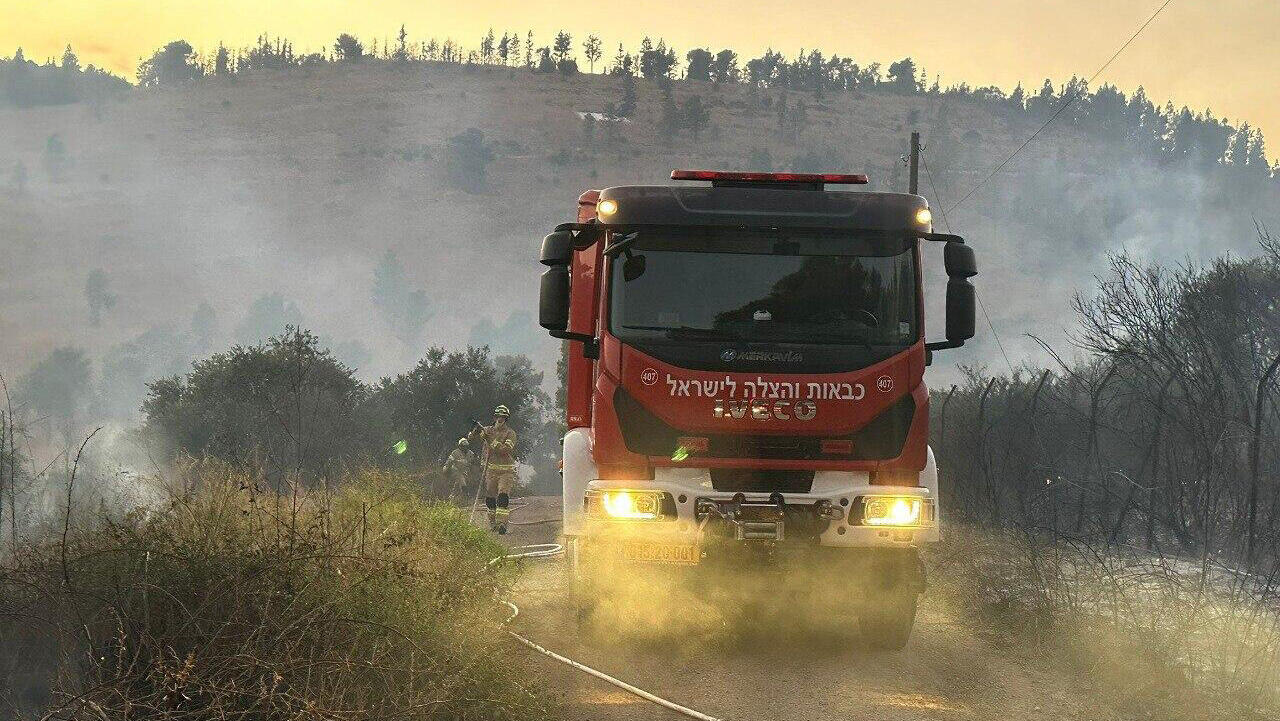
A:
(297, 183)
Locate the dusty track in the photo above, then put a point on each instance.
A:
(948, 671)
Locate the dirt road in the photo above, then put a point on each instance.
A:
(947, 671)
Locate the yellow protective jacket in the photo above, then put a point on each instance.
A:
(499, 446)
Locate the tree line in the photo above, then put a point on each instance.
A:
(287, 406)
(1162, 131)
(25, 84)
(1159, 130)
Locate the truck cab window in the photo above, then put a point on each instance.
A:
(809, 287)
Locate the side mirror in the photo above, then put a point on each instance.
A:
(960, 309)
(553, 298)
(961, 264)
(959, 260)
(557, 248)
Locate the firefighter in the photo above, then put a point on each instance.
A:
(499, 466)
(457, 468)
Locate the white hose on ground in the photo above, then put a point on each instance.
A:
(547, 550)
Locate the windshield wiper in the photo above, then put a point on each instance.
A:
(684, 331)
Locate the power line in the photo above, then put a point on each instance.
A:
(1063, 105)
(929, 175)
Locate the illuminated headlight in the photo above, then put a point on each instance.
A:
(626, 505)
(606, 207)
(924, 216)
(897, 511)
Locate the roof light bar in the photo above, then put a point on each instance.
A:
(752, 177)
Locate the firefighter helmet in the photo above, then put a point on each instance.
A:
(463, 443)
(502, 411)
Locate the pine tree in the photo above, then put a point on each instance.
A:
(621, 62)
(724, 69)
(402, 46)
(627, 105)
(545, 63)
(1018, 98)
(561, 46)
(70, 61)
(528, 50)
(591, 49)
(694, 115)
(699, 64)
(487, 47)
(222, 62)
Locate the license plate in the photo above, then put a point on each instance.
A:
(680, 553)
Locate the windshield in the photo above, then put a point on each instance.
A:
(780, 286)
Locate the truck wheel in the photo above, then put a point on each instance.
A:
(895, 581)
(886, 620)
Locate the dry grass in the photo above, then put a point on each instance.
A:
(233, 603)
(1158, 637)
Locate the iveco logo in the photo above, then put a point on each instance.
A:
(728, 355)
(762, 410)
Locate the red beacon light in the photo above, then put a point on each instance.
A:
(733, 177)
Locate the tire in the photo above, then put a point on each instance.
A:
(893, 582)
(887, 619)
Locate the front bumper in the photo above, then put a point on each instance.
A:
(833, 492)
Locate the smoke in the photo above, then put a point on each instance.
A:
(116, 474)
(220, 211)
(1044, 228)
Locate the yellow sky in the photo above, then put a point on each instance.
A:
(1216, 53)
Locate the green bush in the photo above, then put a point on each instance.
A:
(231, 601)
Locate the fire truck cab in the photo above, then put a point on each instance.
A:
(745, 368)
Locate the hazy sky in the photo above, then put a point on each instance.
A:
(1217, 53)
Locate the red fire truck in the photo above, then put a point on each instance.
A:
(745, 370)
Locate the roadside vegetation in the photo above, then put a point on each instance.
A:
(279, 547)
(1123, 506)
(228, 599)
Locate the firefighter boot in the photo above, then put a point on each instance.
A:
(502, 512)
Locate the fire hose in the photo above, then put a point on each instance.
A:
(549, 550)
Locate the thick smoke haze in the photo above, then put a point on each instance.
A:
(167, 224)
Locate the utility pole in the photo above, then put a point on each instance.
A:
(914, 164)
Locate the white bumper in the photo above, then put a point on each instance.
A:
(840, 488)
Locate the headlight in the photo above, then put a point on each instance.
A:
(628, 505)
(897, 511)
